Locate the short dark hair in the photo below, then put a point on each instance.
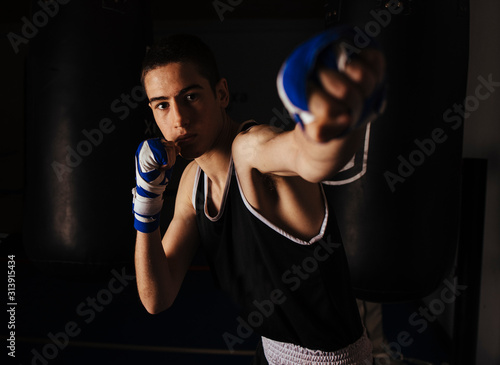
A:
(182, 48)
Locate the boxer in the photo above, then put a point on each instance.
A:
(252, 197)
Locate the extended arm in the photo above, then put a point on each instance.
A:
(315, 152)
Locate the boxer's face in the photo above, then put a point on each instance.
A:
(185, 107)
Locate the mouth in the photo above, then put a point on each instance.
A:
(185, 138)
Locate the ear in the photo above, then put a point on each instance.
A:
(222, 93)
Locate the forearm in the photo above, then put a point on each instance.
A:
(318, 161)
(154, 281)
(296, 153)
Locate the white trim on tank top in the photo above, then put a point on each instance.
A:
(252, 210)
(205, 193)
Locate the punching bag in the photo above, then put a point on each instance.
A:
(397, 202)
(84, 102)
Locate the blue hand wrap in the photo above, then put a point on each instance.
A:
(332, 49)
(150, 184)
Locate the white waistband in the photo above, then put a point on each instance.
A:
(282, 353)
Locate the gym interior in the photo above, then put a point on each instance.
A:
(420, 203)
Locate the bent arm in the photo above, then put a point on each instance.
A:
(161, 265)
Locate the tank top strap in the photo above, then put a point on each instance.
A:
(198, 195)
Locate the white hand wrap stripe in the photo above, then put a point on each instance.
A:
(151, 180)
(146, 206)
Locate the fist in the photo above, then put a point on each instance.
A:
(154, 161)
(339, 99)
(330, 87)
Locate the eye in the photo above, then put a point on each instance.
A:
(162, 106)
(191, 97)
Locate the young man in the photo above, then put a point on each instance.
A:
(252, 198)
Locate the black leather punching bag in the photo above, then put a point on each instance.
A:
(398, 203)
(84, 102)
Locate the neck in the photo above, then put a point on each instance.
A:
(215, 162)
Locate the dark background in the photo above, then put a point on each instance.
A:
(123, 332)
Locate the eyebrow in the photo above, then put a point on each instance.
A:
(183, 91)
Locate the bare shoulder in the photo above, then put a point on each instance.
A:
(248, 145)
(257, 134)
(189, 173)
(186, 186)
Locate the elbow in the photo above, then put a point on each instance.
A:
(156, 306)
(151, 309)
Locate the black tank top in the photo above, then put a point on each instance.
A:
(288, 290)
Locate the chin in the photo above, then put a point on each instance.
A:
(188, 155)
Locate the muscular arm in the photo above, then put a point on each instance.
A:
(162, 264)
(293, 153)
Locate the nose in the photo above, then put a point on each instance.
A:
(180, 118)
